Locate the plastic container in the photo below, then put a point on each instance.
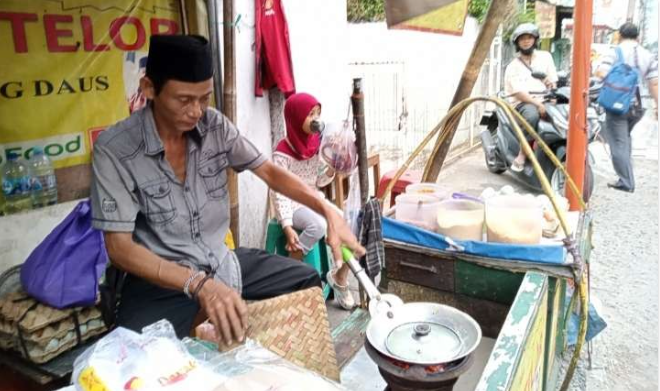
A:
(418, 209)
(514, 219)
(43, 183)
(16, 185)
(461, 219)
(427, 188)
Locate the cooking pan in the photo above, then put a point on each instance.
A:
(415, 333)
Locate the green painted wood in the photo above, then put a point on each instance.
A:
(555, 331)
(485, 283)
(489, 315)
(349, 336)
(510, 345)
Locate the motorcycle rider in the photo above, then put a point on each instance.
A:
(524, 91)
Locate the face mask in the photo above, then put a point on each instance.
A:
(528, 51)
(317, 126)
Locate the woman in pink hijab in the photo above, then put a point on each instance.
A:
(298, 154)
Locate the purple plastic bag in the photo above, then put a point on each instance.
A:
(65, 268)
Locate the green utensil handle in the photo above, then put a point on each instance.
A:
(346, 253)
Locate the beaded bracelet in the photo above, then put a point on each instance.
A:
(186, 286)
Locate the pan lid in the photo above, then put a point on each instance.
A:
(423, 342)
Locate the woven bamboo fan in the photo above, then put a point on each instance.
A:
(295, 326)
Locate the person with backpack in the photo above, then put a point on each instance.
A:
(525, 92)
(622, 71)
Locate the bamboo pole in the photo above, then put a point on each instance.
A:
(229, 107)
(496, 13)
(214, 30)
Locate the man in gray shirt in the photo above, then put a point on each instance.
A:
(619, 126)
(159, 192)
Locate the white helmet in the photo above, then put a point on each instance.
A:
(525, 28)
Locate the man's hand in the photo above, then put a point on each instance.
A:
(226, 310)
(549, 84)
(292, 241)
(541, 109)
(339, 233)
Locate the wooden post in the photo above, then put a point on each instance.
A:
(357, 100)
(496, 13)
(229, 108)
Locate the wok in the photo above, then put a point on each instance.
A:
(415, 333)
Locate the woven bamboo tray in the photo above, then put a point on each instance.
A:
(295, 326)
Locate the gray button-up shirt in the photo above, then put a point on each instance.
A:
(134, 189)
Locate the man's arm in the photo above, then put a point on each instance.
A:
(223, 305)
(293, 187)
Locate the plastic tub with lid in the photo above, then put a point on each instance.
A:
(418, 209)
(514, 219)
(430, 189)
(461, 219)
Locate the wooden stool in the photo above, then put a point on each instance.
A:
(337, 190)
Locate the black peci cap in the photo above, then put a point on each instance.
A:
(179, 57)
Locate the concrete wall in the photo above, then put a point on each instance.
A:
(20, 234)
(421, 68)
(433, 62)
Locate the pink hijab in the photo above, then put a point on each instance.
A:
(298, 144)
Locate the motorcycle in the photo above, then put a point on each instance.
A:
(501, 145)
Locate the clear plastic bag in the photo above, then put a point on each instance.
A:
(251, 367)
(154, 360)
(157, 361)
(353, 204)
(338, 148)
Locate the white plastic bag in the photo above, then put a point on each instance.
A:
(154, 360)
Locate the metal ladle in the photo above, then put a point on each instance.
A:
(378, 302)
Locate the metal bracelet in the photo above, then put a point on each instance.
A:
(186, 286)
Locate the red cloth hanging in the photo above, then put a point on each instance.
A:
(273, 51)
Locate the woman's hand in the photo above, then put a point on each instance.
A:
(329, 172)
(225, 309)
(292, 241)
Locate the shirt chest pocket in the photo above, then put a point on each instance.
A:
(214, 176)
(159, 204)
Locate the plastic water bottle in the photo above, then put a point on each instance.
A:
(16, 185)
(43, 183)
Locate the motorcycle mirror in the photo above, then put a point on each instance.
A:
(539, 75)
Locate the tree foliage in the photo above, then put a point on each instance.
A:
(478, 9)
(365, 10)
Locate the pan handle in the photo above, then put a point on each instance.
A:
(360, 274)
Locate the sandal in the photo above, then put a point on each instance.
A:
(517, 166)
(343, 295)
